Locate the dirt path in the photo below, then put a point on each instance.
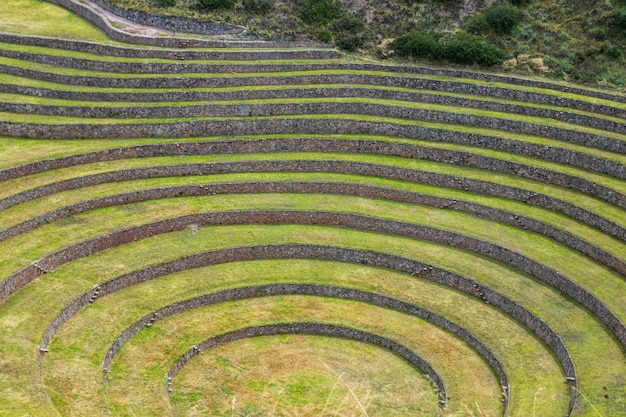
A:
(135, 28)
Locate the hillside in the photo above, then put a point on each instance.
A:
(581, 41)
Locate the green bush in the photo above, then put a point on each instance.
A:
(468, 49)
(258, 6)
(319, 11)
(613, 52)
(418, 45)
(463, 48)
(349, 42)
(166, 3)
(208, 5)
(476, 23)
(324, 35)
(503, 18)
(598, 33)
(617, 24)
(349, 25)
(350, 33)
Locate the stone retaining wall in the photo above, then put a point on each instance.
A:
(322, 145)
(311, 52)
(535, 324)
(356, 168)
(320, 329)
(174, 24)
(486, 77)
(368, 92)
(373, 192)
(391, 80)
(296, 124)
(515, 260)
(331, 108)
(320, 291)
(181, 55)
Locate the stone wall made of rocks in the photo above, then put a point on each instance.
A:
(513, 259)
(402, 77)
(95, 17)
(298, 145)
(194, 43)
(344, 126)
(101, 49)
(543, 331)
(180, 55)
(320, 329)
(171, 23)
(332, 107)
(304, 92)
(313, 290)
(373, 192)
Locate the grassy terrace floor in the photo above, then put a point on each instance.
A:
(299, 375)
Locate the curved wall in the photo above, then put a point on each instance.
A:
(373, 192)
(320, 329)
(357, 168)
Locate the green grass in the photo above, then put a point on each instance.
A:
(116, 59)
(24, 211)
(254, 239)
(232, 275)
(536, 247)
(331, 370)
(37, 119)
(160, 208)
(145, 251)
(39, 18)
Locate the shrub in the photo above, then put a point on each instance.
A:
(258, 6)
(465, 48)
(418, 45)
(350, 33)
(476, 23)
(166, 3)
(617, 24)
(350, 25)
(503, 18)
(598, 33)
(349, 42)
(319, 11)
(207, 5)
(611, 51)
(324, 35)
